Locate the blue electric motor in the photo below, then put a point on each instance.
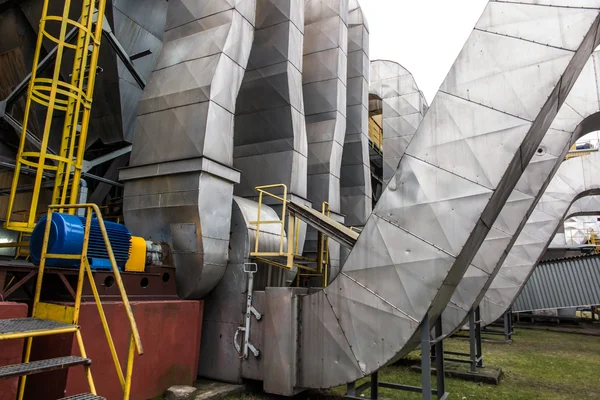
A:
(66, 237)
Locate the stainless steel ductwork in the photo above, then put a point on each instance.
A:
(179, 186)
(575, 118)
(270, 131)
(576, 178)
(355, 179)
(324, 79)
(225, 305)
(443, 199)
(403, 109)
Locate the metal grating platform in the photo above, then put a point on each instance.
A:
(30, 325)
(37, 367)
(84, 396)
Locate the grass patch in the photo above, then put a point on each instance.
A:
(537, 365)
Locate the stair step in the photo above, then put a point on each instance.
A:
(84, 396)
(18, 328)
(37, 367)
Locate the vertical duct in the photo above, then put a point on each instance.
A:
(403, 109)
(179, 186)
(355, 179)
(270, 131)
(324, 86)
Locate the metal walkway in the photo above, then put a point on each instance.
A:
(333, 229)
(572, 282)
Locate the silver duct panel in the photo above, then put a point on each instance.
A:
(403, 109)
(225, 306)
(270, 131)
(443, 200)
(355, 179)
(575, 178)
(179, 186)
(324, 80)
(564, 131)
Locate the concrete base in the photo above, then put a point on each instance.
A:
(11, 351)
(211, 390)
(490, 375)
(170, 333)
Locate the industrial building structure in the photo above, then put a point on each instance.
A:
(241, 175)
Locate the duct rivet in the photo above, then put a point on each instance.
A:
(541, 151)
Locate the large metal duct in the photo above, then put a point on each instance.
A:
(355, 178)
(225, 306)
(179, 186)
(440, 204)
(576, 178)
(582, 102)
(270, 131)
(403, 109)
(324, 78)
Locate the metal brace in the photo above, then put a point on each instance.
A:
(250, 269)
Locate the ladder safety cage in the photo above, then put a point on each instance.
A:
(73, 100)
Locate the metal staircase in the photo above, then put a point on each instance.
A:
(53, 319)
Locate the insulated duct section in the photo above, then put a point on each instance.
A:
(324, 80)
(270, 144)
(440, 204)
(179, 186)
(355, 179)
(566, 128)
(403, 108)
(576, 178)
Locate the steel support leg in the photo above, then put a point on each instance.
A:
(479, 355)
(375, 385)
(472, 342)
(426, 359)
(439, 360)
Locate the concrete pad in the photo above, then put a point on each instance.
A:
(212, 390)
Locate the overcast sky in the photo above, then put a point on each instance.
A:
(425, 36)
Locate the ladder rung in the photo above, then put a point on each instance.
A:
(19, 328)
(64, 256)
(37, 367)
(84, 396)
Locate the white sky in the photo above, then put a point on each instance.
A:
(425, 36)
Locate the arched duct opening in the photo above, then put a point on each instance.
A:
(179, 186)
(403, 107)
(577, 117)
(355, 179)
(441, 204)
(585, 207)
(575, 179)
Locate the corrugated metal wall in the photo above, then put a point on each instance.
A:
(564, 283)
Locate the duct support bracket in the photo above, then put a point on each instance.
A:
(432, 351)
(507, 329)
(475, 355)
(243, 351)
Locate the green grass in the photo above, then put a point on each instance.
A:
(537, 365)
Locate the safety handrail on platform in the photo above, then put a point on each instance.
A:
(85, 270)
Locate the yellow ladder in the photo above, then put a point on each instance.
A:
(73, 98)
(52, 319)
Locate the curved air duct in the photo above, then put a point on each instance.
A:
(444, 198)
(179, 186)
(576, 178)
(571, 123)
(355, 175)
(403, 109)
